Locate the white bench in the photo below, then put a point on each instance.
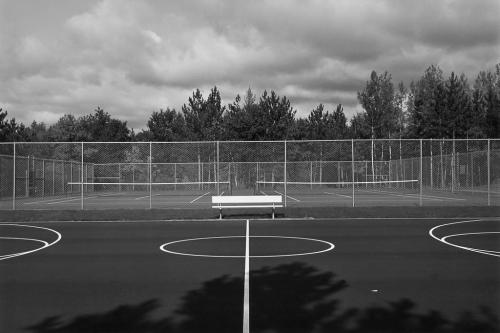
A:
(246, 201)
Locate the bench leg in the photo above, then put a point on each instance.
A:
(220, 213)
(273, 213)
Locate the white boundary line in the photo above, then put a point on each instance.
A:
(146, 196)
(443, 239)
(342, 195)
(46, 244)
(201, 196)
(287, 196)
(69, 200)
(424, 196)
(283, 219)
(45, 201)
(246, 295)
(409, 196)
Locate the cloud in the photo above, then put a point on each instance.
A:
(132, 58)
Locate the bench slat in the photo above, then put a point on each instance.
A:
(249, 206)
(248, 199)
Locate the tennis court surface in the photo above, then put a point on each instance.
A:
(251, 275)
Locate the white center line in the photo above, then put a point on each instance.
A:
(246, 297)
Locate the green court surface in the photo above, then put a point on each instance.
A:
(251, 275)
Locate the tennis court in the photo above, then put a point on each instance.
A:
(251, 275)
(362, 173)
(303, 195)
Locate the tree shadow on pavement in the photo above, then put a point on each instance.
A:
(293, 297)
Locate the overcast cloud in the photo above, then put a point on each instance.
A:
(135, 57)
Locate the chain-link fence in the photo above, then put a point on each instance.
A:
(306, 173)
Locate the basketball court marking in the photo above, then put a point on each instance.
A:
(247, 256)
(165, 246)
(45, 243)
(246, 293)
(444, 238)
(476, 233)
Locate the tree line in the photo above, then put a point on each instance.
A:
(431, 107)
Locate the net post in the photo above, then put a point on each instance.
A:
(420, 177)
(14, 180)
(489, 170)
(150, 176)
(284, 174)
(81, 171)
(352, 170)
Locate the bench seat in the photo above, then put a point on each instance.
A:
(246, 201)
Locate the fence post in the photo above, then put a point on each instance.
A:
(27, 179)
(53, 177)
(284, 174)
(14, 180)
(352, 169)
(63, 176)
(43, 179)
(453, 157)
(489, 170)
(431, 167)
(150, 176)
(81, 171)
(120, 177)
(218, 171)
(420, 177)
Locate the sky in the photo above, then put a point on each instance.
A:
(134, 57)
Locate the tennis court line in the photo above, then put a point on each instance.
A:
(342, 195)
(69, 200)
(412, 196)
(47, 200)
(425, 196)
(287, 196)
(201, 196)
(85, 198)
(246, 295)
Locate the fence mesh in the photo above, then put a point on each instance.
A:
(183, 174)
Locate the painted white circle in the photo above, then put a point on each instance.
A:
(473, 233)
(164, 248)
(44, 243)
(444, 238)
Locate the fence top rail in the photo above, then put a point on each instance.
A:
(238, 141)
(42, 159)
